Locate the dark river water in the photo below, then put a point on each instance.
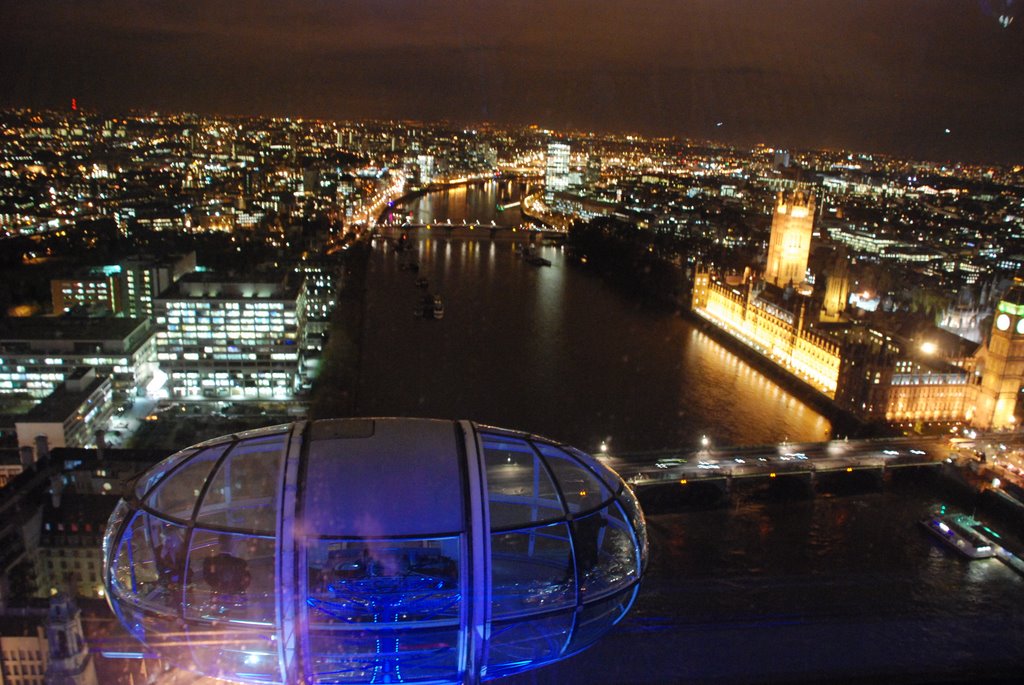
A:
(839, 587)
(553, 350)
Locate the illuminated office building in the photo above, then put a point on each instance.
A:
(97, 289)
(37, 354)
(226, 338)
(556, 170)
(322, 282)
(790, 242)
(144, 278)
(71, 415)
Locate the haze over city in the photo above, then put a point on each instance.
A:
(875, 76)
(543, 343)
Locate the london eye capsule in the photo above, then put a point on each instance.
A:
(374, 550)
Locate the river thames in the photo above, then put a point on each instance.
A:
(552, 350)
(844, 586)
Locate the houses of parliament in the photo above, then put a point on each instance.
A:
(872, 368)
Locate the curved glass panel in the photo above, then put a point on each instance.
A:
(520, 645)
(532, 570)
(163, 630)
(582, 489)
(150, 562)
(606, 553)
(382, 582)
(231, 578)
(121, 512)
(153, 476)
(630, 505)
(609, 475)
(596, 619)
(375, 567)
(176, 495)
(235, 654)
(243, 492)
(368, 656)
(519, 488)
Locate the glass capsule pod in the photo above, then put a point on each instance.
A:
(374, 550)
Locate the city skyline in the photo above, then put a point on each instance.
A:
(932, 80)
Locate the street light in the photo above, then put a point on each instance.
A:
(704, 441)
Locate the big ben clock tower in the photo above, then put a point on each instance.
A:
(1003, 376)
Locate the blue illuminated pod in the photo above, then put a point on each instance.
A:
(374, 551)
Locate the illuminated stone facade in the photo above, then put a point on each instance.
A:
(790, 242)
(1003, 374)
(770, 330)
(872, 374)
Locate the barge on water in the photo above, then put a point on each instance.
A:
(962, 533)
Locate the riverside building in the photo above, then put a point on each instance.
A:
(878, 373)
(232, 338)
(37, 354)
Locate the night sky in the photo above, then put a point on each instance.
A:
(875, 76)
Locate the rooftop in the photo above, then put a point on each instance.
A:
(68, 328)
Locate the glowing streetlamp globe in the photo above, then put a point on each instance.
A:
(374, 550)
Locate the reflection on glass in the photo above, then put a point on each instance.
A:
(517, 645)
(235, 653)
(243, 491)
(368, 656)
(606, 554)
(532, 570)
(581, 488)
(231, 577)
(386, 581)
(135, 572)
(160, 470)
(520, 489)
(595, 619)
(176, 495)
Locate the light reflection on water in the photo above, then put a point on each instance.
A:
(553, 350)
(833, 588)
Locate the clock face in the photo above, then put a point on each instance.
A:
(1003, 322)
(1020, 326)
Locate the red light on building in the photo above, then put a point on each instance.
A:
(74, 104)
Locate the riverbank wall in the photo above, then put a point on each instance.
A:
(335, 391)
(844, 424)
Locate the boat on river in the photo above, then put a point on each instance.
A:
(962, 533)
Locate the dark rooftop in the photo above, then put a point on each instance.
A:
(61, 403)
(68, 328)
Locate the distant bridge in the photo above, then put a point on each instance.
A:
(448, 229)
(726, 465)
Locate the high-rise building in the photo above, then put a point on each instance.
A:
(232, 338)
(790, 242)
(592, 175)
(556, 172)
(146, 277)
(426, 165)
